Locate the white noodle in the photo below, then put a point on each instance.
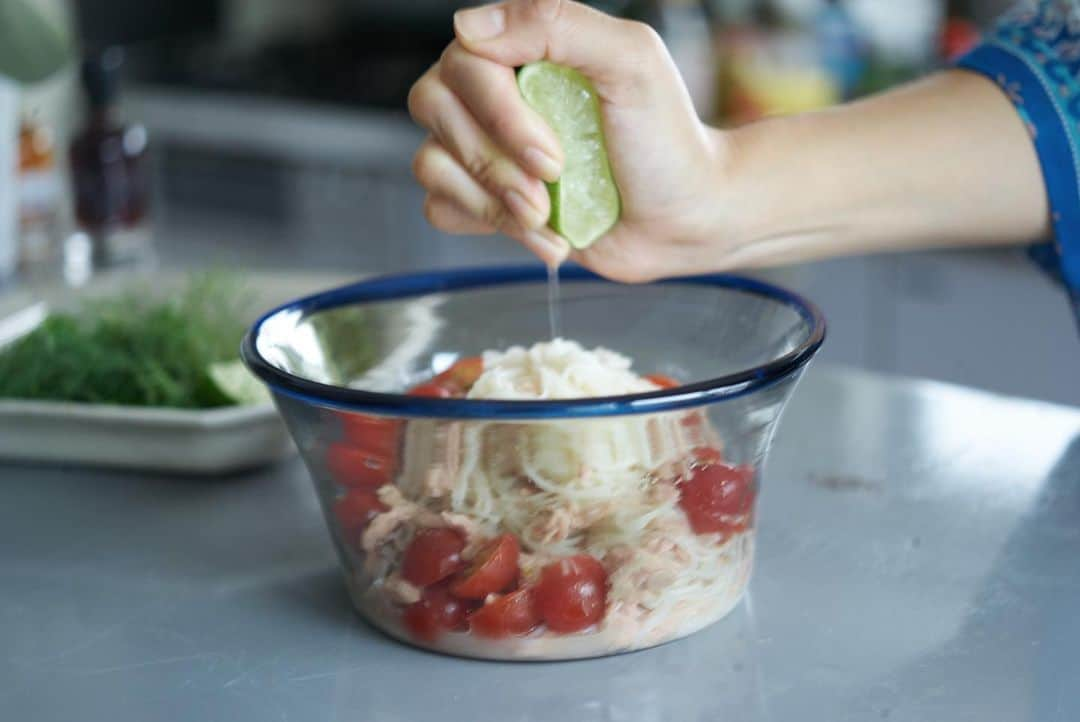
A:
(604, 485)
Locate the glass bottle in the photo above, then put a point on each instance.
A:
(109, 170)
(9, 168)
(39, 195)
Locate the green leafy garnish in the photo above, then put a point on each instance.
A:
(134, 349)
(345, 336)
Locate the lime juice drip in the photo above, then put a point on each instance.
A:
(554, 313)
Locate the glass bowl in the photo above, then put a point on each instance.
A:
(539, 528)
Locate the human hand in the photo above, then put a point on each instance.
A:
(488, 152)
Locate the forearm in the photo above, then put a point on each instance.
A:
(943, 162)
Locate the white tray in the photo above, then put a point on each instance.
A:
(215, 441)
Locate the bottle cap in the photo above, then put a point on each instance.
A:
(101, 76)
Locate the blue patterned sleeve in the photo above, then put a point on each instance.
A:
(1033, 54)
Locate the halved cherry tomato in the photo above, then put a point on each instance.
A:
(350, 466)
(506, 615)
(371, 433)
(494, 569)
(433, 555)
(462, 375)
(436, 612)
(355, 510)
(663, 381)
(717, 497)
(572, 593)
(432, 390)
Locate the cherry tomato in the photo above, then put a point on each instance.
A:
(432, 555)
(572, 593)
(512, 614)
(355, 510)
(350, 466)
(718, 497)
(494, 569)
(663, 381)
(436, 612)
(371, 433)
(433, 390)
(462, 375)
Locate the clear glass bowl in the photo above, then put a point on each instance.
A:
(537, 529)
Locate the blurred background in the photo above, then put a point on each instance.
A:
(272, 133)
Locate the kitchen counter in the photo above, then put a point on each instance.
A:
(918, 561)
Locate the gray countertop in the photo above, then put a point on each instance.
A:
(918, 561)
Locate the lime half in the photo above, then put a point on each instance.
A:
(234, 380)
(585, 199)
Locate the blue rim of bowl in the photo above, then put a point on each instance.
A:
(396, 287)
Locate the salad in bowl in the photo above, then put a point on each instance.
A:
(540, 499)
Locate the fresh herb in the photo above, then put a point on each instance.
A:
(134, 349)
(345, 338)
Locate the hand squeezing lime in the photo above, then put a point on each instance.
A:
(584, 200)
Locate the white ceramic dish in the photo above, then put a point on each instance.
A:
(217, 441)
(181, 441)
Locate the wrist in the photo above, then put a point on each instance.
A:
(783, 202)
(710, 221)
(744, 211)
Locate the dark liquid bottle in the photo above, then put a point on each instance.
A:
(109, 170)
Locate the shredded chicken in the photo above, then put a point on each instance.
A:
(446, 460)
(383, 525)
(401, 591)
(475, 534)
(401, 511)
(530, 565)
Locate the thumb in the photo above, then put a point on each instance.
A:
(516, 32)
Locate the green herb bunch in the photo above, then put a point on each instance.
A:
(134, 349)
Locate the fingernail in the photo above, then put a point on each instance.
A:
(550, 248)
(480, 23)
(526, 213)
(543, 164)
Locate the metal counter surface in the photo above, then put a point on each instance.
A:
(919, 559)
